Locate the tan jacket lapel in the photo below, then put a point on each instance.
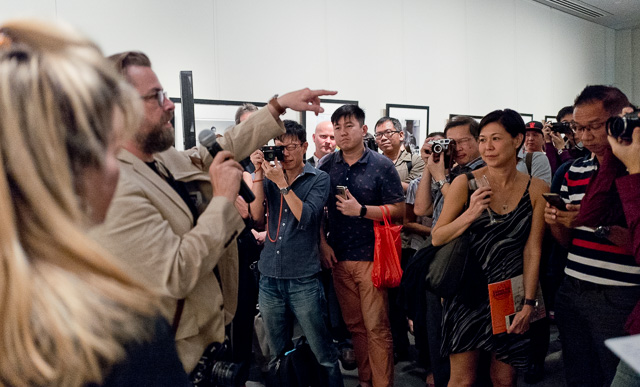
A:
(150, 178)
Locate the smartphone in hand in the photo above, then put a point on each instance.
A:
(342, 190)
(555, 200)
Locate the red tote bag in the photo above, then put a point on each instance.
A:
(386, 272)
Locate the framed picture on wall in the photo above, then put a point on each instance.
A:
(212, 113)
(415, 123)
(310, 120)
(526, 117)
(477, 118)
(550, 118)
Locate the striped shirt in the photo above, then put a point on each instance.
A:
(590, 258)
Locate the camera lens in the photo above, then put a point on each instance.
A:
(622, 127)
(227, 374)
(436, 148)
(615, 126)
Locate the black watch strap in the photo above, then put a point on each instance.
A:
(602, 231)
(285, 190)
(363, 211)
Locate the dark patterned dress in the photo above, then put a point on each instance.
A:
(498, 248)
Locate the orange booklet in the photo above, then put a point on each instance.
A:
(506, 298)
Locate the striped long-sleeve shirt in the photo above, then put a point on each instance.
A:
(591, 258)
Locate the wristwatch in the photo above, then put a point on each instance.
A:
(602, 231)
(530, 302)
(560, 151)
(274, 102)
(363, 211)
(441, 183)
(285, 190)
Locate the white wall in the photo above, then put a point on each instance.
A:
(456, 56)
(628, 63)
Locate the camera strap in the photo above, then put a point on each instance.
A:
(528, 159)
(279, 219)
(177, 315)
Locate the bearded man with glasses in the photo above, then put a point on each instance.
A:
(184, 252)
(295, 194)
(602, 282)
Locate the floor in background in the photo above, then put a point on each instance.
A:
(408, 374)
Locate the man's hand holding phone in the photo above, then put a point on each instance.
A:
(347, 204)
(557, 212)
(555, 200)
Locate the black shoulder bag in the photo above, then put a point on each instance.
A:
(447, 266)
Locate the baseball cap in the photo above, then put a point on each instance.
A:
(534, 125)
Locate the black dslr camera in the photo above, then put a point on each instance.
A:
(271, 152)
(214, 369)
(622, 127)
(561, 127)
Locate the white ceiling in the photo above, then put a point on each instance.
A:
(616, 14)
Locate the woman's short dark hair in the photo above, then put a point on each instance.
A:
(510, 120)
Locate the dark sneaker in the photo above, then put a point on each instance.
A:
(348, 358)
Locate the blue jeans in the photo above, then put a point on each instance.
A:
(587, 314)
(282, 299)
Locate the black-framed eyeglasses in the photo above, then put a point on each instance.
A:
(291, 147)
(386, 133)
(591, 127)
(160, 96)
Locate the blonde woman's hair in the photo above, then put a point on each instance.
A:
(66, 309)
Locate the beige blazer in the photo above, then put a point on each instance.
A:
(151, 229)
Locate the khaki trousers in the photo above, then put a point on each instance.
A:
(365, 311)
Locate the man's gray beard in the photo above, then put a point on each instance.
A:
(158, 140)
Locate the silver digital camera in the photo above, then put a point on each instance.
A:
(442, 145)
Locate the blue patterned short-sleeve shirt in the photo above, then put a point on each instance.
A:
(373, 181)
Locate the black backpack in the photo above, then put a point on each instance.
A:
(298, 367)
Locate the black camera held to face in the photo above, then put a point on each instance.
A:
(622, 127)
(561, 127)
(215, 370)
(271, 152)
